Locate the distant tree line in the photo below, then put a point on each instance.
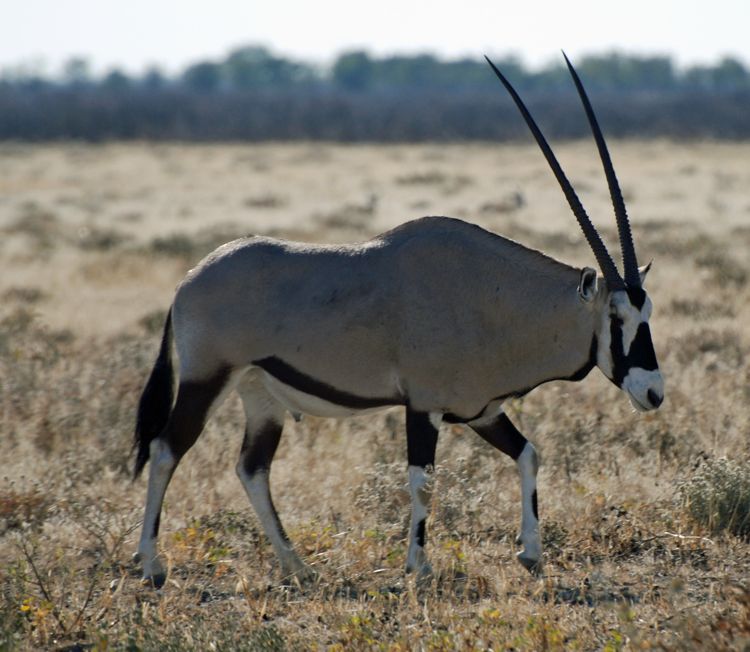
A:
(253, 94)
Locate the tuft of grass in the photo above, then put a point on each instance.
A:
(717, 496)
(509, 203)
(153, 322)
(24, 294)
(264, 201)
(449, 183)
(22, 508)
(39, 225)
(701, 310)
(193, 247)
(179, 245)
(98, 239)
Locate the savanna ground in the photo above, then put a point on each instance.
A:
(644, 521)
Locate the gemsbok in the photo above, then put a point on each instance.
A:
(437, 315)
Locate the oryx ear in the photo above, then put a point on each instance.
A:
(587, 286)
(643, 271)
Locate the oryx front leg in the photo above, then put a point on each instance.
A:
(421, 438)
(191, 409)
(503, 435)
(265, 421)
(163, 464)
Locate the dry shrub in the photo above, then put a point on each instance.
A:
(93, 238)
(57, 391)
(449, 183)
(153, 322)
(40, 226)
(717, 496)
(384, 495)
(711, 345)
(509, 203)
(701, 310)
(723, 268)
(194, 247)
(25, 295)
(22, 508)
(728, 631)
(679, 244)
(200, 633)
(265, 201)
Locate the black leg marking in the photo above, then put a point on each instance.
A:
(503, 435)
(194, 400)
(258, 448)
(534, 505)
(421, 439)
(421, 533)
(155, 530)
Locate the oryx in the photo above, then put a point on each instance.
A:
(437, 315)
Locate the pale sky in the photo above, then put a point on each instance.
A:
(133, 34)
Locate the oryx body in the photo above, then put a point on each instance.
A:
(437, 315)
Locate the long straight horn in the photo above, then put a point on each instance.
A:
(629, 261)
(606, 264)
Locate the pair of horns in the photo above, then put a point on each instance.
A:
(606, 264)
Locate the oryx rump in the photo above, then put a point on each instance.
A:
(437, 315)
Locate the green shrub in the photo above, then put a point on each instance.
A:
(718, 496)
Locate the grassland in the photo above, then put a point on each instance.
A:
(644, 521)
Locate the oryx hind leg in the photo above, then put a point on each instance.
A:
(421, 439)
(195, 400)
(264, 423)
(499, 431)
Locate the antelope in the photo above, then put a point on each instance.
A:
(437, 315)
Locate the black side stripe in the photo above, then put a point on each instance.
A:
(288, 375)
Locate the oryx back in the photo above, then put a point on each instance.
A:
(436, 314)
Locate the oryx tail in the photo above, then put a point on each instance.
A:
(156, 401)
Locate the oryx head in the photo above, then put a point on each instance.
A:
(625, 352)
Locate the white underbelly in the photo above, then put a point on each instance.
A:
(298, 402)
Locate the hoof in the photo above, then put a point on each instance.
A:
(136, 558)
(155, 581)
(531, 564)
(424, 572)
(302, 575)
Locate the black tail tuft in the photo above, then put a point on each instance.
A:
(156, 401)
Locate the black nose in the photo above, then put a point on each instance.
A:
(654, 398)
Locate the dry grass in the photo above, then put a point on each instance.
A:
(93, 240)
